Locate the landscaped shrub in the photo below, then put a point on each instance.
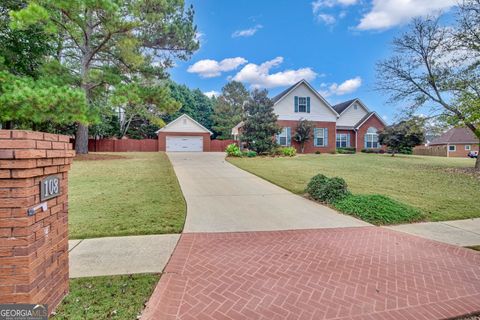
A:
(377, 209)
(373, 151)
(329, 190)
(346, 150)
(317, 152)
(233, 150)
(289, 151)
(249, 154)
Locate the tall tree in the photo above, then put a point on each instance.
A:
(431, 68)
(144, 101)
(260, 123)
(135, 36)
(303, 132)
(228, 108)
(193, 102)
(403, 135)
(23, 51)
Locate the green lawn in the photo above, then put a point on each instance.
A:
(422, 182)
(135, 195)
(111, 297)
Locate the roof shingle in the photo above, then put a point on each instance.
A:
(456, 135)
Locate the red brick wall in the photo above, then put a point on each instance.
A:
(460, 150)
(123, 145)
(373, 121)
(309, 145)
(352, 137)
(33, 249)
(162, 138)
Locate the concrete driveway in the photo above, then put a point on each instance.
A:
(223, 198)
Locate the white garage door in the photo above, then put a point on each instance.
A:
(179, 143)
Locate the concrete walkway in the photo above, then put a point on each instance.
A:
(120, 255)
(458, 232)
(223, 198)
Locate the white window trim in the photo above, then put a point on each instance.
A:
(302, 104)
(317, 131)
(343, 138)
(454, 148)
(469, 147)
(283, 134)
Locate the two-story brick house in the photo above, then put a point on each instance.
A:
(348, 124)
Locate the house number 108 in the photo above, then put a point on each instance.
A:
(49, 188)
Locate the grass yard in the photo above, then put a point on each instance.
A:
(426, 183)
(135, 195)
(111, 297)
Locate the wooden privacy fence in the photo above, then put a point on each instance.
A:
(144, 145)
(123, 145)
(439, 151)
(220, 145)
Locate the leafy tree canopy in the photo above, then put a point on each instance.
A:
(260, 123)
(228, 108)
(303, 132)
(403, 135)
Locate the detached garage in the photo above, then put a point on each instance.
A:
(184, 135)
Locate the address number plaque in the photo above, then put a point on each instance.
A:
(49, 188)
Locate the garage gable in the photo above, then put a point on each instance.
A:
(186, 124)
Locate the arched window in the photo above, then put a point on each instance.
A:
(371, 138)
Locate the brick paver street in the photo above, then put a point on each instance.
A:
(338, 273)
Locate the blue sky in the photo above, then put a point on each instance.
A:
(334, 44)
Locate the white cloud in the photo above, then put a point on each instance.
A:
(348, 86)
(329, 19)
(247, 32)
(388, 13)
(319, 4)
(258, 76)
(326, 18)
(212, 93)
(211, 68)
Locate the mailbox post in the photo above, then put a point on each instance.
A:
(33, 217)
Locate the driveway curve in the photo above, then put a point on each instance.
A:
(223, 198)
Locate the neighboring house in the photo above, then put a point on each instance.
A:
(458, 142)
(184, 134)
(348, 124)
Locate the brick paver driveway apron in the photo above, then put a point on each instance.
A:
(361, 272)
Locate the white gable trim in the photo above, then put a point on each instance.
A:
(353, 102)
(311, 89)
(189, 118)
(373, 113)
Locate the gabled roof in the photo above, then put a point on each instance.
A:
(187, 117)
(368, 116)
(342, 107)
(285, 92)
(456, 135)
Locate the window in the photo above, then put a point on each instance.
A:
(283, 137)
(320, 137)
(302, 104)
(371, 138)
(355, 107)
(452, 148)
(468, 147)
(342, 140)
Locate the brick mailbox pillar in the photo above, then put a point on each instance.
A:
(33, 217)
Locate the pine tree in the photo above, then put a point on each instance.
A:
(260, 123)
(228, 108)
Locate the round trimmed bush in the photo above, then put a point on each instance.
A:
(329, 190)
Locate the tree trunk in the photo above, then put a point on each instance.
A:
(81, 139)
(393, 153)
(302, 148)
